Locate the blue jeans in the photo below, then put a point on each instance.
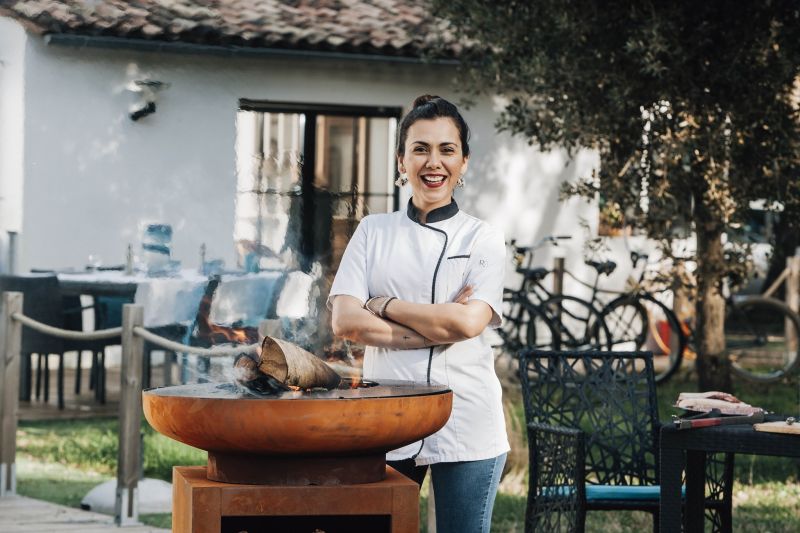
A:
(464, 491)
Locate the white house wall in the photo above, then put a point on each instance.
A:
(93, 176)
(12, 78)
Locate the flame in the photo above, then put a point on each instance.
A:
(217, 333)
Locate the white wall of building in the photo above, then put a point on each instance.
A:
(92, 176)
(12, 86)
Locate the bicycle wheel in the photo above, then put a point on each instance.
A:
(666, 338)
(512, 332)
(572, 322)
(761, 337)
(640, 322)
(626, 325)
(540, 333)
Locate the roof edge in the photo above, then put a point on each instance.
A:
(176, 47)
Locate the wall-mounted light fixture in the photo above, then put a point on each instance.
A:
(148, 90)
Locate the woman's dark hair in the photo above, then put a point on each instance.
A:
(427, 107)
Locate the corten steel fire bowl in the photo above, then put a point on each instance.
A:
(319, 437)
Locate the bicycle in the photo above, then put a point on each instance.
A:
(761, 333)
(536, 317)
(636, 319)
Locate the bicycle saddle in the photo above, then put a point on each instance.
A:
(606, 267)
(534, 274)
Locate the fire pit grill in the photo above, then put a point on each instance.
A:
(319, 437)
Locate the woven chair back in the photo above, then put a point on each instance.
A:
(610, 396)
(41, 302)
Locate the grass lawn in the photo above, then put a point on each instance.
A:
(61, 461)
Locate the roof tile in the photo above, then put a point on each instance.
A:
(385, 27)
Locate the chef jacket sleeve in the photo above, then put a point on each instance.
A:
(486, 272)
(351, 277)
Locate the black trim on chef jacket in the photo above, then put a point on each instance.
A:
(437, 215)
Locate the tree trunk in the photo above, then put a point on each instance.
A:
(713, 365)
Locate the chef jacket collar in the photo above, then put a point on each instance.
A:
(437, 215)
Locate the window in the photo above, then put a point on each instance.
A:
(306, 174)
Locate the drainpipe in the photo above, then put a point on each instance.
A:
(13, 241)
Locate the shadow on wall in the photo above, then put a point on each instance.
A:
(516, 188)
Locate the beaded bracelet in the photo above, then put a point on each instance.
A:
(380, 313)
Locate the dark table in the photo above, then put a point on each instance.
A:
(105, 284)
(687, 449)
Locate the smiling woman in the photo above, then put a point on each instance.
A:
(419, 287)
(435, 162)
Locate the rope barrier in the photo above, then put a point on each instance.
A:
(183, 348)
(109, 333)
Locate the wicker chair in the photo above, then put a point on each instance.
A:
(43, 302)
(593, 440)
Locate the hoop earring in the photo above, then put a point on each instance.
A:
(402, 180)
(460, 182)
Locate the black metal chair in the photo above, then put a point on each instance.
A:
(593, 440)
(72, 313)
(42, 301)
(107, 314)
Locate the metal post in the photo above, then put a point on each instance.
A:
(793, 301)
(13, 243)
(792, 296)
(11, 335)
(126, 510)
(558, 284)
(431, 508)
(558, 276)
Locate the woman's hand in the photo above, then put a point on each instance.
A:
(443, 323)
(405, 325)
(351, 321)
(463, 295)
(377, 304)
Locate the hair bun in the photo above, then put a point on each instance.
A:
(424, 99)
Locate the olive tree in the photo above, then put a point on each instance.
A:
(691, 106)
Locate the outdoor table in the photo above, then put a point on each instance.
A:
(99, 283)
(175, 300)
(688, 447)
(165, 300)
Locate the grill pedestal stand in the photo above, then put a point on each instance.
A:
(253, 469)
(201, 505)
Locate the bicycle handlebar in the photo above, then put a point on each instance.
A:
(550, 239)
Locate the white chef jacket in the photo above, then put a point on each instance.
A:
(395, 255)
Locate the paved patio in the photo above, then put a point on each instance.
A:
(19, 513)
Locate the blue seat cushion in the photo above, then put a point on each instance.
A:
(623, 492)
(612, 492)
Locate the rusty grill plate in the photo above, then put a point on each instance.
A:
(369, 389)
(309, 430)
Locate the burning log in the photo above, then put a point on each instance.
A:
(282, 365)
